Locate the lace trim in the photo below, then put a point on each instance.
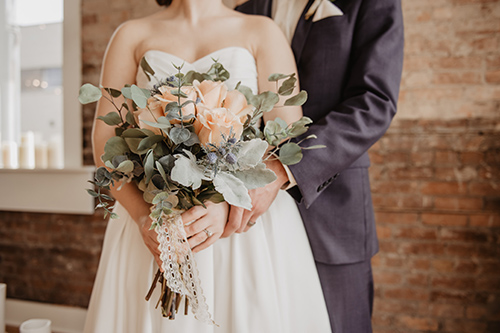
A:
(179, 267)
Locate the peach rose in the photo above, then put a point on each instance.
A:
(211, 125)
(237, 104)
(166, 97)
(211, 93)
(155, 111)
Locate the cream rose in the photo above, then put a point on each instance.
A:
(211, 93)
(212, 124)
(237, 104)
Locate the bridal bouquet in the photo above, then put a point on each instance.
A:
(188, 140)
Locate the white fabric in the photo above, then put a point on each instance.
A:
(261, 281)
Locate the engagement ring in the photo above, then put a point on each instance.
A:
(251, 223)
(208, 232)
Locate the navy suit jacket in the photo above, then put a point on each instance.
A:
(351, 67)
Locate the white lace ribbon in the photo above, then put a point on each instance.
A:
(179, 266)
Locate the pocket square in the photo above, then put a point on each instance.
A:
(322, 9)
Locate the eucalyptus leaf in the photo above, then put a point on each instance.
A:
(178, 93)
(265, 101)
(179, 135)
(127, 92)
(113, 92)
(149, 163)
(115, 146)
(276, 77)
(163, 126)
(112, 118)
(287, 86)
(314, 147)
(129, 117)
(298, 99)
(147, 68)
(89, 94)
(133, 144)
(139, 96)
(148, 142)
(193, 139)
(161, 170)
(290, 153)
(92, 193)
(233, 190)
(126, 166)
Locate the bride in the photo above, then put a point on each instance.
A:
(263, 280)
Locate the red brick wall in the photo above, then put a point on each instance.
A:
(435, 181)
(436, 193)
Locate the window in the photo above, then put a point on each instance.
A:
(40, 117)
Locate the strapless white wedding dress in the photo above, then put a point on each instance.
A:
(262, 281)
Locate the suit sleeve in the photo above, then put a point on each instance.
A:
(368, 101)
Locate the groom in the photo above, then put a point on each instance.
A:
(349, 57)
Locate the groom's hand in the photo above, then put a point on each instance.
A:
(262, 198)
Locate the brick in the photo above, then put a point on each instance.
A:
(409, 294)
(415, 233)
(391, 278)
(447, 310)
(493, 77)
(453, 282)
(444, 219)
(420, 264)
(443, 188)
(491, 284)
(422, 249)
(383, 232)
(463, 235)
(465, 326)
(446, 158)
(484, 220)
(476, 312)
(485, 189)
(456, 78)
(417, 323)
(443, 265)
(471, 158)
(412, 173)
(460, 174)
(419, 159)
(454, 203)
(396, 218)
(417, 280)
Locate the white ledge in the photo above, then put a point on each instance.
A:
(46, 190)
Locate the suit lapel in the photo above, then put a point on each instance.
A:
(301, 32)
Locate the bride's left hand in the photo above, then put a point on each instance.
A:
(212, 219)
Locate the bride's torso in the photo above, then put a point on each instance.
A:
(238, 61)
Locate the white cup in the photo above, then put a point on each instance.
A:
(35, 326)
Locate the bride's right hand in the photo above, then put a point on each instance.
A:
(149, 237)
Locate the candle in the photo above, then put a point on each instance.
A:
(10, 155)
(27, 151)
(55, 153)
(41, 155)
(3, 295)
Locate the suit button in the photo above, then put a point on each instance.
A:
(336, 175)
(321, 187)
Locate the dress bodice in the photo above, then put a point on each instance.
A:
(238, 61)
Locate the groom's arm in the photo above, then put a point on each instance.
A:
(368, 101)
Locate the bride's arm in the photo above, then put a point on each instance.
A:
(119, 68)
(273, 55)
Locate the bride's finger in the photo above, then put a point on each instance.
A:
(193, 214)
(197, 239)
(210, 240)
(197, 226)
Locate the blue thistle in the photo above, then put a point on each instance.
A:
(231, 158)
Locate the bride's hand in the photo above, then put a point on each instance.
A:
(208, 224)
(149, 237)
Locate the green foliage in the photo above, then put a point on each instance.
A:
(290, 153)
(89, 94)
(298, 99)
(112, 118)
